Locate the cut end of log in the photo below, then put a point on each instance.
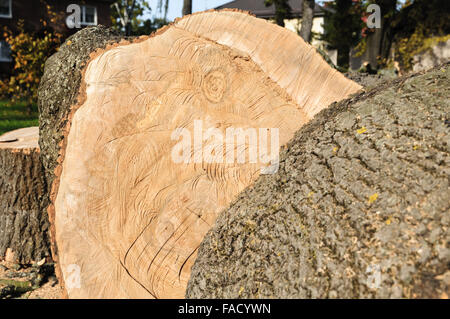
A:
(21, 139)
(128, 218)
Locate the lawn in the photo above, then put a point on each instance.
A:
(16, 116)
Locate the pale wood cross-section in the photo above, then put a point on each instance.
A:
(24, 138)
(128, 219)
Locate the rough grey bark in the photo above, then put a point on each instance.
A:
(369, 81)
(307, 19)
(358, 209)
(60, 85)
(23, 220)
(59, 89)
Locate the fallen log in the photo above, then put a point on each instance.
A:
(127, 212)
(358, 209)
(23, 218)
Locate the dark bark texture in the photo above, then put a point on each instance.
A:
(358, 209)
(187, 7)
(59, 90)
(23, 219)
(60, 86)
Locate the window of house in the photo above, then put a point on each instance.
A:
(88, 15)
(5, 9)
(5, 52)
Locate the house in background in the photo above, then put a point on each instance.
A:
(259, 9)
(93, 12)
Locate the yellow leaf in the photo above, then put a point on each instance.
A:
(373, 198)
(361, 130)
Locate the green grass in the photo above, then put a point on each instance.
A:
(16, 116)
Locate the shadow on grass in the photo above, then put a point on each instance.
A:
(16, 116)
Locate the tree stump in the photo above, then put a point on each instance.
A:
(23, 218)
(358, 209)
(127, 213)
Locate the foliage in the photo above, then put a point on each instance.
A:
(126, 14)
(410, 28)
(29, 51)
(389, 11)
(406, 27)
(14, 116)
(148, 26)
(419, 25)
(282, 10)
(138, 26)
(342, 27)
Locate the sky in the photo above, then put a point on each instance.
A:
(175, 7)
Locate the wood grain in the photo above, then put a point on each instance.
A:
(126, 214)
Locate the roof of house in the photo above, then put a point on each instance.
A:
(259, 9)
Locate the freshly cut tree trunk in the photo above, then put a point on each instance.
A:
(358, 209)
(23, 217)
(127, 215)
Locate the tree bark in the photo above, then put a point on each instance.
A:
(55, 102)
(187, 7)
(23, 219)
(307, 20)
(358, 209)
(125, 214)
